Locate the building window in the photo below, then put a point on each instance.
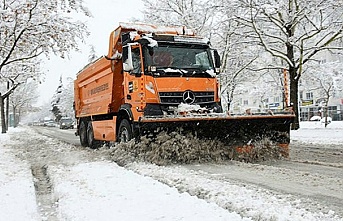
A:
(245, 102)
(309, 96)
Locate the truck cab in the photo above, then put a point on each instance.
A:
(164, 71)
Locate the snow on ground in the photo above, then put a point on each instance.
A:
(17, 192)
(314, 132)
(96, 191)
(115, 193)
(102, 190)
(247, 200)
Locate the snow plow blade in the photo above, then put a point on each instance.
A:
(238, 132)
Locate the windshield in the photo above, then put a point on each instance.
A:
(179, 59)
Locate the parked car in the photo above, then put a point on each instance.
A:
(49, 123)
(66, 123)
(315, 118)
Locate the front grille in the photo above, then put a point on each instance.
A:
(172, 98)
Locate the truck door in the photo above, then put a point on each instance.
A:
(134, 77)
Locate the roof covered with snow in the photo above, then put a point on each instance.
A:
(148, 28)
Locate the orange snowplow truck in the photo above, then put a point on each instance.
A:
(162, 78)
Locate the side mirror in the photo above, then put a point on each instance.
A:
(127, 58)
(216, 59)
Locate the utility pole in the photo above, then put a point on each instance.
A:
(285, 87)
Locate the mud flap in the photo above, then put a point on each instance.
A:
(105, 130)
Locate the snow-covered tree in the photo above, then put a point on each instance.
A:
(238, 53)
(67, 99)
(38, 114)
(92, 55)
(267, 89)
(16, 74)
(62, 100)
(214, 20)
(23, 98)
(195, 14)
(293, 31)
(29, 28)
(327, 79)
(56, 100)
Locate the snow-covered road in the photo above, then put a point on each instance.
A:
(42, 178)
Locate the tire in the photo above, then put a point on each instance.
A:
(83, 134)
(90, 137)
(125, 133)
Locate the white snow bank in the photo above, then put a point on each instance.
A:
(17, 193)
(318, 124)
(105, 191)
(314, 132)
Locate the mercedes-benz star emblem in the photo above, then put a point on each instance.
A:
(188, 97)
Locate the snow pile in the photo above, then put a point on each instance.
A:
(172, 148)
(175, 148)
(190, 108)
(261, 150)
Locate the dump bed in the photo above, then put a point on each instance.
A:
(94, 88)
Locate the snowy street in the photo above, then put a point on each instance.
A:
(42, 178)
(152, 110)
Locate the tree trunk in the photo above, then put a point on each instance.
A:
(326, 109)
(294, 91)
(14, 117)
(2, 113)
(293, 78)
(18, 118)
(7, 107)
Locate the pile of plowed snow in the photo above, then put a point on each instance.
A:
(175, 148)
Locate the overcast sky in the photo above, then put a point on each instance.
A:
(106, 17)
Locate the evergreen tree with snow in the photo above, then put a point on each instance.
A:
(92, 55)
(55, 103)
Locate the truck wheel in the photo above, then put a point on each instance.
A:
(90, 135)
(83, 134)
(125, 132)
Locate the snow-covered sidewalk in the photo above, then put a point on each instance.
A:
(17, 191)
(315, 133)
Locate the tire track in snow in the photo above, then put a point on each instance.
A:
(43, 152)
(44, 197)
